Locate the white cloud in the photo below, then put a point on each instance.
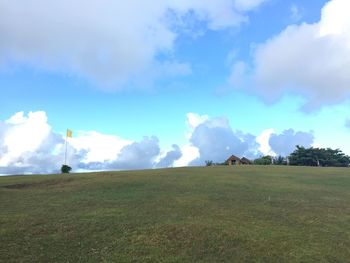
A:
(317, 145)
(285, 143)
(29, 145)
(170, 157)
(106, 40)
(189, 154)
(192, 121)
(263, 140)
(138, 155)
(335, 19)
(99, 147)
(23, 134)
(213, 139)
(216, 141)
(248, 4)
(310, 59)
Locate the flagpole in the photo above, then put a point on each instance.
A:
(65, 154)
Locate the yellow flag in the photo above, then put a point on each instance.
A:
(69, 133)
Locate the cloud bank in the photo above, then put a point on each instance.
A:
(284, 144)
(28, 144)
(308, 59)
(216, 141)
(108, 41)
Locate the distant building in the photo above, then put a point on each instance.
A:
(234, 160)
(246, 161)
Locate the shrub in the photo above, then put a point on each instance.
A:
(65, 169)
(265, 160)
(208, 163)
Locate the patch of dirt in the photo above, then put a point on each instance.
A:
(17, 186)
(44, 184)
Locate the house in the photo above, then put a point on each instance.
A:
(233, 160)
(245, 161)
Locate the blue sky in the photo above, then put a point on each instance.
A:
(138, 69)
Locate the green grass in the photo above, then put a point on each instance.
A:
(208, 214)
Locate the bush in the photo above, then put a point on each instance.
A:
(65, 169)
(319, 157)
(279, 160)
(265, 160)
(208, 163)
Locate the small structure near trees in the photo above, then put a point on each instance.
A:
(234, 160)
(246, 161)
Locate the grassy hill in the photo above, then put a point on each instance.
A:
(208, 214)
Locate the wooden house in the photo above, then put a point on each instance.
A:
(245, 161)
(233, 160)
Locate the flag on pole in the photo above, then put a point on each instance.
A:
(69, 133)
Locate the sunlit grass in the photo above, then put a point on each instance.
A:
(207, 214)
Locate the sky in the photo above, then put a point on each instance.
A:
(165, 83)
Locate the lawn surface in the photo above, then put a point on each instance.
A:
(207, 214)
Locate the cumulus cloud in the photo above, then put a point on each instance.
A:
(189, 154)
(171, 157)
(22, 134)
(284, 144)
(99, 147)
(308, 59)
(263, 140)
(28, 144)
(108, 41)
(193, 121)
(138, 155)
(216, 141)
(145, 154)
(248, 4)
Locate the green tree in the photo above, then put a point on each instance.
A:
(208, 162)
(319, 157)
(65, 169)
(279, 160)
(264, 160)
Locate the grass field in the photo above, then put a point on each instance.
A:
(208, 214)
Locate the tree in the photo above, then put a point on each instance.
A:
(279, 160)
(264, 160)
(318, 157)
(65, 169)
(208, 162)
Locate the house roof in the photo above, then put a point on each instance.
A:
(233, 157)
(246, 160)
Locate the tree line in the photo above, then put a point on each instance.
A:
(324, 157)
